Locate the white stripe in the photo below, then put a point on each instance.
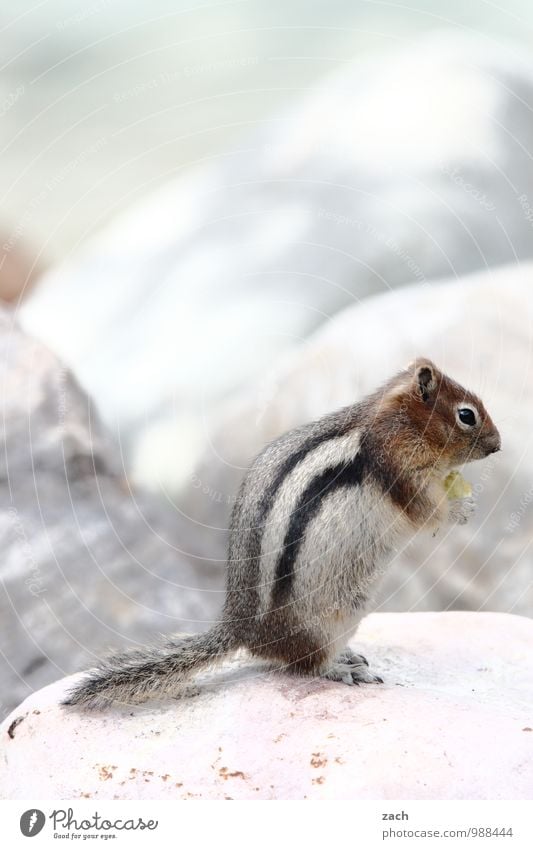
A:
(330, 453)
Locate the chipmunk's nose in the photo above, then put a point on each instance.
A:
(493, 444)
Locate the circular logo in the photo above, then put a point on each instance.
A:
(32, 822)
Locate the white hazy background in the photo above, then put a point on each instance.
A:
(102, 102)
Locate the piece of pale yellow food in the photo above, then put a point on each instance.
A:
(456, 486)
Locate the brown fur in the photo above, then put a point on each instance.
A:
(413, 438)
(281, 638)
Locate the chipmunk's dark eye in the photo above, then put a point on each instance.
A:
(467, 416)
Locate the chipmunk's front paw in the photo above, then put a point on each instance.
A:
(462, 509)
(352, 671)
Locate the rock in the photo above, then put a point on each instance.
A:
(20, 268)
(87, 563)
(452, 721)
(478, 329)
(400, 169)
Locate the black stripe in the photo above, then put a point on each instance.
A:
(287, 467)
(332, 426)
(290, 463)
(330, 480)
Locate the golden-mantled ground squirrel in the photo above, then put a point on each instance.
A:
(318, 514)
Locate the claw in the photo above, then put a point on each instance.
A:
(351, 659)
(352, 673)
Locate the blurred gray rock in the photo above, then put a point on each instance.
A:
(480, 330)
(86, 563)
(394, 170)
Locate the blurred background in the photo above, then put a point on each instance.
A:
(102, 102)
(220, 220)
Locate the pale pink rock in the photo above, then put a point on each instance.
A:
(454, 720)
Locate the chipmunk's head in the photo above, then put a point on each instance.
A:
(450, 423)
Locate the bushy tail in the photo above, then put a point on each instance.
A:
(152, 672)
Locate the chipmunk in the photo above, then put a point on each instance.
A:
(318, 514)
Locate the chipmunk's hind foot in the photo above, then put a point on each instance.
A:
(351, 668)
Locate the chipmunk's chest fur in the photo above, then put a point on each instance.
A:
(327, 538)
(318, 530)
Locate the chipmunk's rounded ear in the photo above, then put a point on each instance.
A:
(424, 376)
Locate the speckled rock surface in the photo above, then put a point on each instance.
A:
(454, 720)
